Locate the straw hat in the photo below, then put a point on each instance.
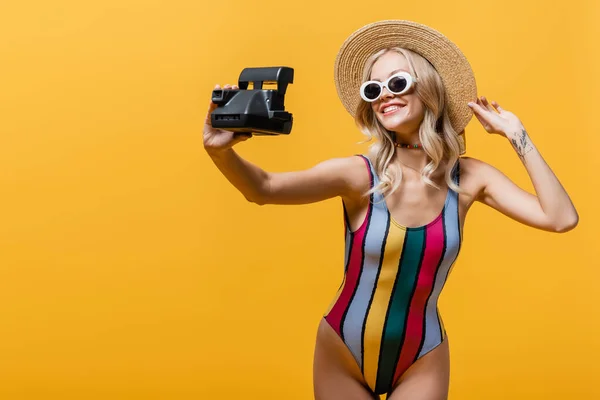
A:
(445, 56)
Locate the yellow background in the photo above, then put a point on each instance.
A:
(131, 269)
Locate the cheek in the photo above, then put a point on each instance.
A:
(419, 110)
(377, 116)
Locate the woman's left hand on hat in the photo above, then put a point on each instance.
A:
(495, 119)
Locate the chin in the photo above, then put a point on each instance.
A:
(404, 127)
(400, 125)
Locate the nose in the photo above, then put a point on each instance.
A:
(385, 93)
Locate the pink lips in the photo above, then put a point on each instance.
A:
(383, 107)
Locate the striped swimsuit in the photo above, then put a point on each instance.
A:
(386, 308)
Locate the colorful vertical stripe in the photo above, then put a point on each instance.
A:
(354, 267)
(357, 311)
(414, 331)
(375, 322)
(386, 309)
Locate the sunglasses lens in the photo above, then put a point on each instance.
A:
(372, 91)
(398, 84)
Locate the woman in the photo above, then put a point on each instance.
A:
(404, 206)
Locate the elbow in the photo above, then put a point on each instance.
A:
(567, 225)
(257, 199)
(259, 196)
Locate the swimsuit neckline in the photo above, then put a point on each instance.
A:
(421, 227)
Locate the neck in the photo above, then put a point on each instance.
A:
(414, 159)
(409, 151)
(405, 138)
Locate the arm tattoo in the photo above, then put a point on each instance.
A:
(522, 144)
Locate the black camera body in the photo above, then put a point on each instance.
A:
(257, 110)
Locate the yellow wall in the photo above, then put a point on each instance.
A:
(130, 269)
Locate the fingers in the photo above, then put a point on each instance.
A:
(493, 107)
(495, 104)
(478, 108)
(482, 105)
(484, 102)
(481, 113)
(483, 122)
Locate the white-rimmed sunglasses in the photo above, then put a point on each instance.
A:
(398, 83)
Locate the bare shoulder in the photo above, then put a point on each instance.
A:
(355, 170)
(473, 174)
(471, 166)
(353, 174)
(479, 174)
(477, 168)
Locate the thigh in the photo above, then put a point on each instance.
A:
(336, 373)
(427, 379)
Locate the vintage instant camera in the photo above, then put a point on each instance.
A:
(257, 110)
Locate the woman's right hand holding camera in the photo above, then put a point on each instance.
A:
(219, 140)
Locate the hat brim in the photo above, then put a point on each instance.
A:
(445, 56)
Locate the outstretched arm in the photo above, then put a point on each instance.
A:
(551, 208)
(344, 177)
(328, 179)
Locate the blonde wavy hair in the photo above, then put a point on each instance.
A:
(436, 134)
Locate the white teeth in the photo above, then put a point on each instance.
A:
(390, 108)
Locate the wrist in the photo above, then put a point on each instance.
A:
(521, 142)
(515, 132)
(216, 154)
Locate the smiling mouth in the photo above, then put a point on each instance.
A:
(391, 109)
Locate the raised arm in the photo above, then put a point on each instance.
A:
(344, 177)
(551, 208)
